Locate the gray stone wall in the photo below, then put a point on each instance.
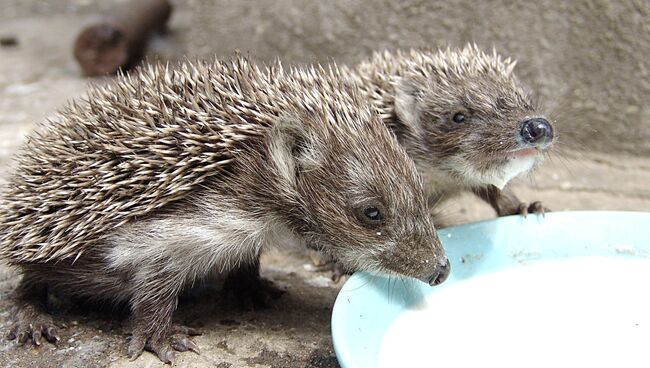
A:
(588, 60)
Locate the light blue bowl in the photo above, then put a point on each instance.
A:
(367, 304)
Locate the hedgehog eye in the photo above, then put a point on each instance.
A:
(373, 213)
(370, 214)
(459, 117)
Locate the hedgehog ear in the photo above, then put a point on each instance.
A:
(292, 148)
(408, 100)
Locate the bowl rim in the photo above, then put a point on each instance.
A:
(607, 225)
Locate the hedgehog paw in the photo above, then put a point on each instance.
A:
(180, 342)
(324, 262)
(535, 207)
(338, 273)
(253, 294)
(136, 346)
(164, 346)
(33, 327)
(319, 259)
(249, 289)
(259, 296)
(163, 349)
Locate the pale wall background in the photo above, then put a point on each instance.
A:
(588, 60)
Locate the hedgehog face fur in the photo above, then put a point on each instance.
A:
(358, 205)
(464, 115)
(355, 202)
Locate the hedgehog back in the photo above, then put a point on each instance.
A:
(129, 148)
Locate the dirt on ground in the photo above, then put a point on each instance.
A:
(38, 75)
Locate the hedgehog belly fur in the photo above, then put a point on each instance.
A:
(197, 243)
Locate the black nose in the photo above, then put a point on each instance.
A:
(440, 275)
(537, 131)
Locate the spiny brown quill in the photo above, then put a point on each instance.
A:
(132, 147)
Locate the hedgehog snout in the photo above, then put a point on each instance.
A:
(537, 132)
(440, 274)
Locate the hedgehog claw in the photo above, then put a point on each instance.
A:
(538, 208)
(535, 207)
(163, 350)
(338, 273)
(523, 209)
(325, 262)
(40, 326)
(182, 343)
(13, 332)
(136, 347)
(164, 347)
(36, 337)
(22, 337)
(51, 335)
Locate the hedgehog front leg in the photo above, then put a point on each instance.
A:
(152, 308)
(506, 203)
(32, 321)
(249, 288)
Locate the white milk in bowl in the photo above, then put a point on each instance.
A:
(576, 312)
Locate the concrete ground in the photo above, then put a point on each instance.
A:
(38, 75)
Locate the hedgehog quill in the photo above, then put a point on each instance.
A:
(167, 175)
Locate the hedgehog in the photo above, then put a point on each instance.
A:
(463, 116)
(169, 174)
